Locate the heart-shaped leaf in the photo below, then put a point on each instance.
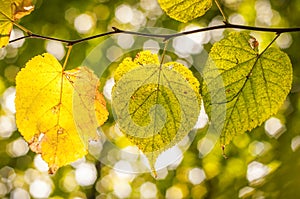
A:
(250, 84)
(156, 105)
(57, 111)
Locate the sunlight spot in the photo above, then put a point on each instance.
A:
(257, 148)
(11, 52)
(122, 189)
(2, 53)
(69, 182)
(9, 100)
(130, 153)
(256, 171)
(274, 127)
(95, 148)
(19, 193)
(149, 4)
(162, 173)
(106, 182)
(237, 19)
(295, 143)
(138, 19)
(151, 45)
(78, 162)
(40, 164)
(84, 23)
(148, 190)
(202, 118)
(184, 46)
(71, 14)
(204, 146)
(190, 44)
(113, 53)
(40, 189)
(3, 190)
(123, 169)
(196, 176)
(16, 33)
(7, 126)
(86, 174)
(125, 41)
(216, 35)
(107, 89)
(124, 14)
(264, 12)
(56, 49)
(17, 148)
(171, 158)
(284, 41)
(199, 38)
(245, 192)
(102, 12)
(174, 193)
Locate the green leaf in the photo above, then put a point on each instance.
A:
(250, 85)
(185, 10)
(156, 105)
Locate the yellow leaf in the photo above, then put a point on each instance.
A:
(185, 10)
(5, 23)
(156, 105)
(22, 8)
(57, 111)
(11, 10)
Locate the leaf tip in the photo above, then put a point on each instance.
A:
(154, 173)
(52, 169)
(223, 152)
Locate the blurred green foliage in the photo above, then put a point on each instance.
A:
(224, 178)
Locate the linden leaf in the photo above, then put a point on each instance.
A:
(156, 105)
(185, 10)
(5, 23)
(11, 10)
(21, 8)
(250, 84)
(57, 110)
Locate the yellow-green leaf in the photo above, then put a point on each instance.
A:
(11, 10)
(250, 85)
(156, 106)
(185, 10)
(57, 110)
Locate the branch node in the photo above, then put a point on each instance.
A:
(116, 29)
(226, 22)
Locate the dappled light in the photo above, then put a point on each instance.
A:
(209, 114)
(83, 23)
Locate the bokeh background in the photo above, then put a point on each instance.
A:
(263, 163)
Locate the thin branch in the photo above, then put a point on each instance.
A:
(242, 27)
(115, 31)
(22, 28)
(16, 24)
(36, 36)
(221, 10)
(163, 54)
(67, 57)
(163, 36)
